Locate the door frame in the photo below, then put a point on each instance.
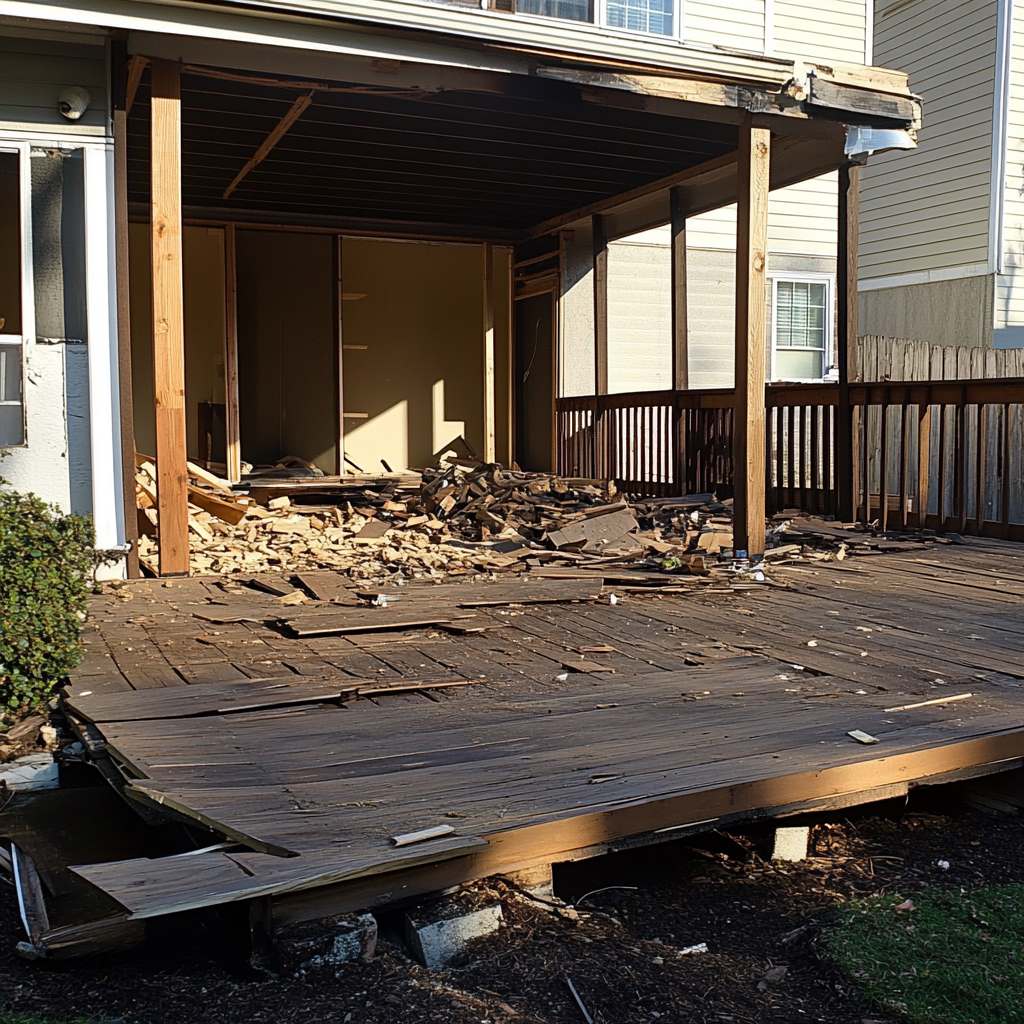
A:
(530, 288)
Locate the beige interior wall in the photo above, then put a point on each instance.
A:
(203, 276)
(420, 376)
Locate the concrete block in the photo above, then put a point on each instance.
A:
(790, 843)
(436, 935)
(329, 942)
(31, 773)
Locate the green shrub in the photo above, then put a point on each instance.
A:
(46, 561)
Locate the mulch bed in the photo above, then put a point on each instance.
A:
(622, 951)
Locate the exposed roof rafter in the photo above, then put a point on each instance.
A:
(295, 111)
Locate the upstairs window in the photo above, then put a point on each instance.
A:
(654, 16)
(573, 10)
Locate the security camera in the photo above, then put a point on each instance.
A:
(73, 102)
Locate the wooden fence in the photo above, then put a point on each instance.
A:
(928, 450)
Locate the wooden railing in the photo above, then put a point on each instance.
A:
(926, 453)
(947, 455)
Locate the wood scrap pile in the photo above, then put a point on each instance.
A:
(462, 517)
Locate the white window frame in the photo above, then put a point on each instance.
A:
(28, 308)
(829, 281)
(601, 21)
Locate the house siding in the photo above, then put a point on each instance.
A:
(928, 210)
(738, 24)
(33, 72)
(640, 313)
(836, 30)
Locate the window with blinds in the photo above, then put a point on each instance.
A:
(801, 318)
(654, 16)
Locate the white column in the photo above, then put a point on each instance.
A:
(101, 320)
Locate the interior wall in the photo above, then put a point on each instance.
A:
(420, 376)
(286, 347)
(203, 277)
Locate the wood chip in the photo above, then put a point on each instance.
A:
(422, 836)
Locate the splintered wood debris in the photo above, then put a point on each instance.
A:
(462, 517)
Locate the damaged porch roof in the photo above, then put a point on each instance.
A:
(437, 150)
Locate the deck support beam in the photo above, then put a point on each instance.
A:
(847, 418)
(168, 319)
(749, 414)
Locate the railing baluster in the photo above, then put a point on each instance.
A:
(904, 457)
(826, 459)
(960, 465)
(924, 454)
(980, 481)
(866, 463)
(1004, 496)
(883, 468)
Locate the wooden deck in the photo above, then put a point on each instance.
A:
(557, 731)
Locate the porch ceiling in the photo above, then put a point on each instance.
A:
(495, 162)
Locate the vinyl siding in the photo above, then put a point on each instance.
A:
(928, 210)
(829, 30)
(801, 221)
(1009, 301)
(33, 72)
(738, 24)
(640, 312)
(639, 317)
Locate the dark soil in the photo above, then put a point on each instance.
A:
(621, 948)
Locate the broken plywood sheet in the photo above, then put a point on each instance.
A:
(597, 533)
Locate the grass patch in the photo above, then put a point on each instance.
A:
(955, 958)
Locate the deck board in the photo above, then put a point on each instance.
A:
(717, 703)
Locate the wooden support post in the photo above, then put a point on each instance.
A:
(168, 319)
(600, 246)
(680, 336)
(233, 426)
(680, 328)
(120, 79)
(488, 351)
(847, 418)
(338, 276)
(510, 350)
(749, 420)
